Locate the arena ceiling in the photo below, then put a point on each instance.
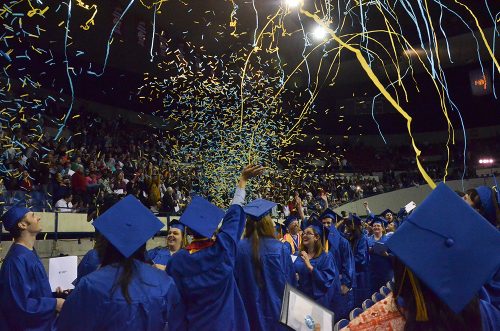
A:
(204, 27)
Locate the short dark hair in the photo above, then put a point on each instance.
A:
(15, 231)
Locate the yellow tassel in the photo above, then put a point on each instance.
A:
(419, 299)
(326, 242)
(184, 236)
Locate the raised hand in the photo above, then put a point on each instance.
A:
(251, 171)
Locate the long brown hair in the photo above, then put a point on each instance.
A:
(318, 245)
(110, 255)
(439, 316)
(254, 230)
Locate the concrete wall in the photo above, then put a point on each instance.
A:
(68, 222)
(397, 199)
(50, 248)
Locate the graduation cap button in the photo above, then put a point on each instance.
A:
(449, 242)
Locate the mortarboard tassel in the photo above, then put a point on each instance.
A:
(419, 298)
(417, 293)
(184, 236)
(325, 242)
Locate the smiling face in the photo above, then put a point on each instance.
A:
(389, 217)
(174, 239)
(309, 238)
(377, 229)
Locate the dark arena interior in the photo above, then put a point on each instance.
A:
(249, 165)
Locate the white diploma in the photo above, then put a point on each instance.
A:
(62, 272)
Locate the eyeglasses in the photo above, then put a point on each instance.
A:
(307, 234)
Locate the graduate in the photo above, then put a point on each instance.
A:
(484, 200)
(293, 235)
(26, 300)
(317, 274)
(359, 245)
(380, 265)
(91, 260)
(435, 253)
(263, 267)
(343, 301)
(159, 256)
(434, 286)
(204, 270)
(125, 293)
(388, 215)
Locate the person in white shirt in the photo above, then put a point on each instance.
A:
(64, 205)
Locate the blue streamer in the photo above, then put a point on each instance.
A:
(109, 41)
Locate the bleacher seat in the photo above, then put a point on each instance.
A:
(377, 296)
(384, 290)
(355, 313)
(367, 304)
(340, 324)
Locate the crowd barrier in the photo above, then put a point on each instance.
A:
(57, 225)
(60, 225)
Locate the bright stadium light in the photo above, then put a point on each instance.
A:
(319, 33)
(292, 3)
(486, 161)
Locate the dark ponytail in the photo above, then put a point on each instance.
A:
(110, 255)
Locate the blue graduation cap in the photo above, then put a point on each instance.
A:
(355, 219)
(319, 228)
(259, 208)
(380, 220)
(202, 217)
(305, 223)
(127, 225)
(402, 213)
(289, 219)
(441, 240)
(487, 201)
(177, 225)
(12, 216)
(328, 213)
(387, 211)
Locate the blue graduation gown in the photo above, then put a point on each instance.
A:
(380, 267)
(26, 299)
(361, 260)
(323, 282)
(490, 316)
(493, 290)
(93, 305)
(344, 261)
(89, 263)
(158, 255)
(206, 279)
(263, 304)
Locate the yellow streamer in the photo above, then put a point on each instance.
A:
(380, 87)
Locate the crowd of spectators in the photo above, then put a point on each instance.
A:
(102, 157)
